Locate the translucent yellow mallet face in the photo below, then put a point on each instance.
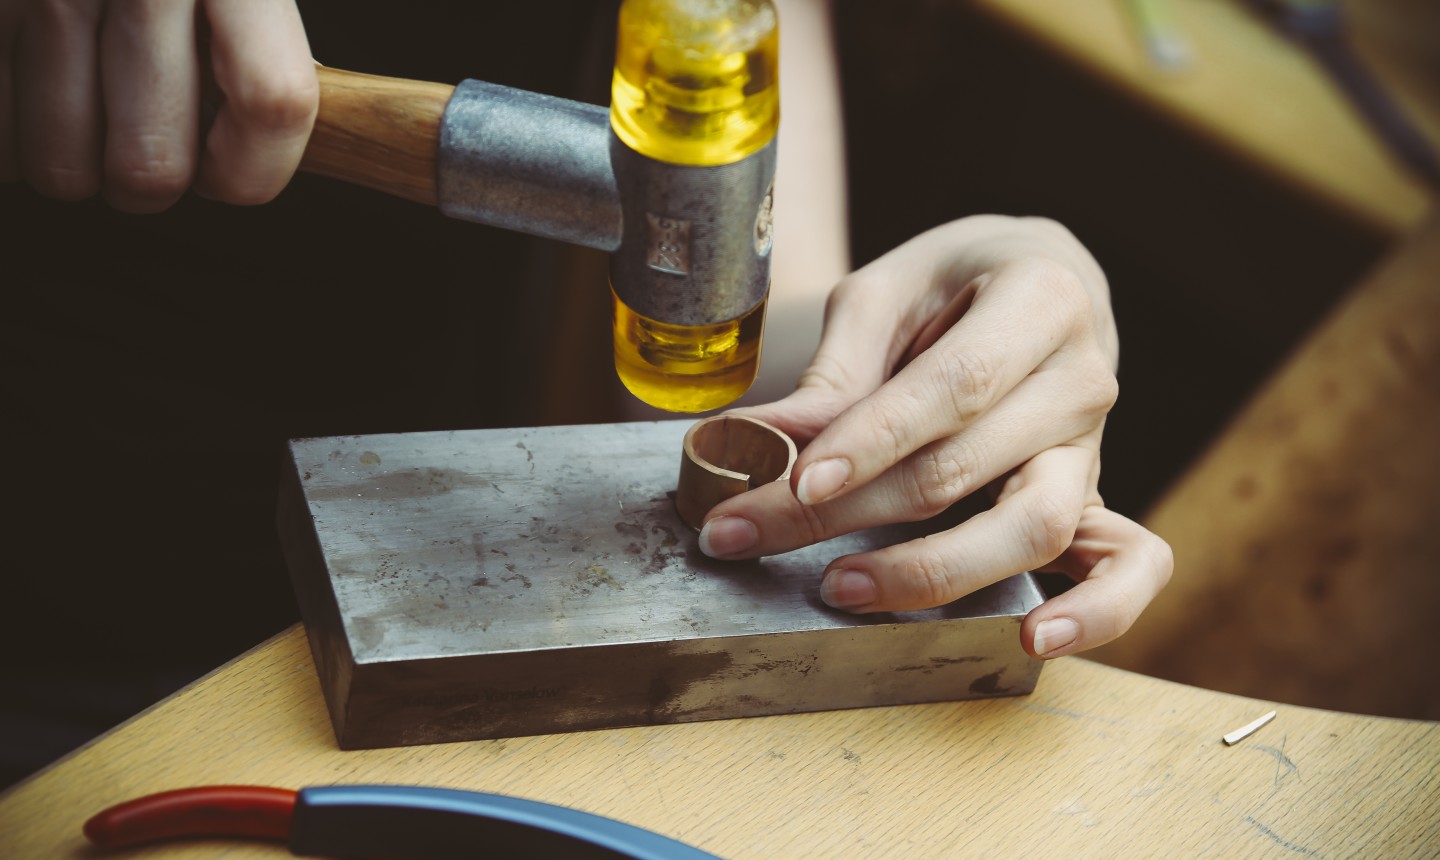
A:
(696, 83)
(686, 368)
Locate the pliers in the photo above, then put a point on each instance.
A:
(387, 820)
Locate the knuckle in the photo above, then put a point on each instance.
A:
(889, 423)
(927, 578)
(1161, 558)
(1102, 390)
(970, 377)
(150, 170)
(941, 477)
(1050, 524)
(1050, 226)
(277, 103)
(1060, 291)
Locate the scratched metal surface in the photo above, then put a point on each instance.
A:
(490, 541)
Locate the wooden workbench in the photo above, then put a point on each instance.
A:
(1096, 762)
(1255, 93)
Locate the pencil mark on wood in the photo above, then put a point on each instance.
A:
(1278, 839)
(1284, 767)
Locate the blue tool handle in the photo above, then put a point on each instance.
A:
(1376, 105)
(406, 821)
(1320, 26)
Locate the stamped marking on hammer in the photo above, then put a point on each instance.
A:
(669, 248)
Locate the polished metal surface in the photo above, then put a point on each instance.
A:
(529, 162)
(491, 583)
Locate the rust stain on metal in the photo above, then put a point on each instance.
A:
(596, 575)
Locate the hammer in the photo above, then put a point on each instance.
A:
(675, 180)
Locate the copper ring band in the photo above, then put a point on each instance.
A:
(726, 455)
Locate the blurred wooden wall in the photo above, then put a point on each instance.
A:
(1307, 539)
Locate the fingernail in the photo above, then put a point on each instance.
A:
(844, 589)
(1055, 634)
(725, 536)
(821, 480)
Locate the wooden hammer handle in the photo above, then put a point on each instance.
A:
(378, 132)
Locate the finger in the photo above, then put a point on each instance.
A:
(9, 146)
(802, 414)
(151, 90)
(1029, 528)
(1044, 411)
(58, 99)
(1012, 324)
(870, 317)
(1120, 566)
(264, 71)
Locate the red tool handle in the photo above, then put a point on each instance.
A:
(249, 811)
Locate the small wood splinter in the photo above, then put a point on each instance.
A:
(1247, 730)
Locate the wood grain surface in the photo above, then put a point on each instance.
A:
(1306, 538)
(378, 132)
(1256, 93)
(1097, 762)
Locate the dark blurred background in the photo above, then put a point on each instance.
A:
(154, 366)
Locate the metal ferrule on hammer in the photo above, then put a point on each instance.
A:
(529, 162)
(690, 244)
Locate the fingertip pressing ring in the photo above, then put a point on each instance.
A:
(726, 455)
